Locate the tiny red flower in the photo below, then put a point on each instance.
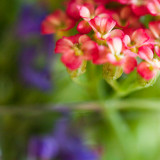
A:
(126, 18)
(138, 38)
(75, 49)
(115, 56)
(145, 53)
(148, 68)
(58, 20)
(88, 12)
(103, 55)
(102, 26)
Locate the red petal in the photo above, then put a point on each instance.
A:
(74, 39)
(157, 50)
(144, 70)
(140, 37)
(50, 23)
(85, 13)
(89, 49)
(100, 57)
(112, 59)
(84, 27)
(99, 10)
(140, 10)
(115, 45)
(63, 45)
(155, 28)
(124, 1)
(117, 33)
(107, 24)
(145, 53)
(83, 39)
(129, 53)
(71, 61)
(73, 10)
(56, 21)
(129, 64)
(126, 40)
(154, 7)
(102, 26)
(69, 23)
(95, 23)
(102, 1)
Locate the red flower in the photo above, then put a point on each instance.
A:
(115, 56)
(75, 49)
(102, 26)
(138, 38)
(58, 20)
(120, 57)
(126, 18)
(148, 68)
(88, 12)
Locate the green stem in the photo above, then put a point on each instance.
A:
(78, 82)
(146, 104)
(117, 104)
(114, 84)
(121, 130)
(126, 91)
(133, 83)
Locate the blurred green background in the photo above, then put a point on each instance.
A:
(32, 79)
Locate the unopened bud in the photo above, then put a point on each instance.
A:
(111, 72)
(144, 83)
(79, 71)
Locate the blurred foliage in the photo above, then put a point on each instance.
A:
(128, 135)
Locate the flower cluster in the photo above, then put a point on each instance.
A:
(108, 32)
